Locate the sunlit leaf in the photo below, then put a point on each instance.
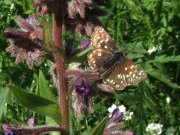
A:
(44, 89)
(36, 103)
(5, 98)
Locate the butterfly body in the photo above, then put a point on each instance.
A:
(117, 57)
(116, 70)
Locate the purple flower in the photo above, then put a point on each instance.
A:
(82, 89)
(11, 133)
(6, 128)
(31, 121)
(116, 115)
(85, 44)
(26, 43)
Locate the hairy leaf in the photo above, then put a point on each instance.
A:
(36, 103)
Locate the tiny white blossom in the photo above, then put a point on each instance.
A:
(112, 108)
(168, 99)
(122, 108)
(153, 49)
(154, 129)
(128, 115)
(33, 81)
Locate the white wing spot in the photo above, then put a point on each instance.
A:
(99, 54)
(111, 81)
(106, 47)
(132, 67)
(119, 76)
(107, 80)
(101, 41)
(107, 39)
(125, 68)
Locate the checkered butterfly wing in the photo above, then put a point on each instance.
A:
(104, 47)
(122, 73)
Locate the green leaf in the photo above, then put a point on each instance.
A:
(83, 52)
(98, 130)
(5, 98)
(36, 103)
(165, 59)
(47, 24)
(161, 77)
(44, 90)
(79, 57)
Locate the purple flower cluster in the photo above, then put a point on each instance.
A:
(8, 130)
(79, 15)
(114, 127)
(25, 42)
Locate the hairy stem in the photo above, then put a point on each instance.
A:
(36, 130)
(63, 98)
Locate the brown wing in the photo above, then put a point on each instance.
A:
(101, 39)
(96, 59)
(124, 74)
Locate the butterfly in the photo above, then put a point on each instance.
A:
(116, 70)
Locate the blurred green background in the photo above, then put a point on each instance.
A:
(150, 29)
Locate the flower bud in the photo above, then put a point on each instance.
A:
(116, 115)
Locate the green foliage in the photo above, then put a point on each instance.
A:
(36, 103)
(98, 130)
(44, 90)
(137, 25)
(5, 98)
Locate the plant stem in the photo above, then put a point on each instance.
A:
(63, 98)
(36, 130)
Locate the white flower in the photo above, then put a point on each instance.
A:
(154, 129)
(111, 109)
(128, 115)
(168, 99)
(153, 49)
(122, 108)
